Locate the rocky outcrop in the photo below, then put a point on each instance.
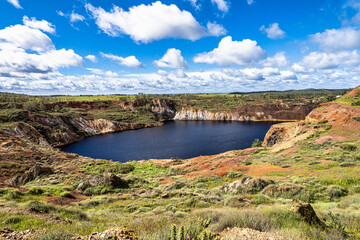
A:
(279, 133)
(108, 180)
(247, 184)
(31, 174)
(164, 109)
(62, 130)
(307, 212)
(260, 112)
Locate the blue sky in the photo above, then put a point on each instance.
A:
(177, 46)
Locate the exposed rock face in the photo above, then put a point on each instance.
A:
(164, 109)
(27, 131)
(31, 174)
(61, 130)
(109, 180)
(261, 112)
(282, 132)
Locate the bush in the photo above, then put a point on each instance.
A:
(67, 195)
(12, 194)
(54, 236)
(35, 191)
(336, 191)
(349, 147)
(12, 220)
(261, 199)
(235, 174)
(256, 143)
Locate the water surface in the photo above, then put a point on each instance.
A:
(177, 139)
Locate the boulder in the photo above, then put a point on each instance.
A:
(307, 212)
(31, 174)
(246, 184)
(107, 179)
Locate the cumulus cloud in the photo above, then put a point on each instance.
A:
(222, 5)
(26, 38)
(130, 61)
(73, 17)
(16, 42)
(215, 29)
(279, 60)
(250, 2)
(323, 60)
(15, 3)
(146, 23)
(171, 59)
(97, 71)
(337, 39)
(91, 58)
(273, 31)
(230, 53)
(42, 25)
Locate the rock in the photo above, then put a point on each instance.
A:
(114, 233)
(308, 214)
(165, 195)
(164, 109)
(246, 184)
(109, 180)
(31, 174)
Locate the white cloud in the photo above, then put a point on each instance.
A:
(16, 60)
(337, 39)
(27, 38)
(322, 60)
(74, 17)
(194, 4)
(250, 2)
(171, 59)
(273, 31)
(91, 58)
(146, 23)
(42, 25)
(101, 72)
(230, 53)
(15, 3)
(215, 29)
(130, 61)
(222, 5)
(279, 60)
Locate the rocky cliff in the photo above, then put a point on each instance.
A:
(62, 130)
(260, 112)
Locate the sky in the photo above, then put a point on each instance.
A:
(78, 47)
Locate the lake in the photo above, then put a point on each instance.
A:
(177, 139)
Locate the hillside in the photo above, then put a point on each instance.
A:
(60, 195)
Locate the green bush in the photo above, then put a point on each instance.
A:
(349, 147)
(256, 143)
(336, 191)
(35, 191)
(54, 236)
(235, 174)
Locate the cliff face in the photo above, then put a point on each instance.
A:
(263, 112)
(62, 130)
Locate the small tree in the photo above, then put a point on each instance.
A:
(256, 143)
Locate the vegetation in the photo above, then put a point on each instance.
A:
(179, 198)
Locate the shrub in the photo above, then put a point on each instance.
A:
(336, 191)
(349, 147)
(12, 194)
(67, 195)
(12, 220)
(256, 143)
(35, 191)
(54, 236)
(356, 119)
(261, 199)
(235, 174)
